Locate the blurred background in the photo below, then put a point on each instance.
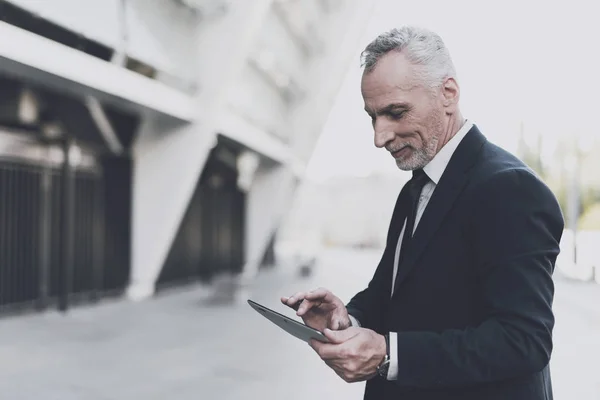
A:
(162, 161)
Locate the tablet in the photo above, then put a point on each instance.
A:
(289, 325)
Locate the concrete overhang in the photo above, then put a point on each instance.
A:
(43, 61)
(235, 127)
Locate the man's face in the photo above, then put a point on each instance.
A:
(408, 118)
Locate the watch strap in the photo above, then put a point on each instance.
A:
(382, 369)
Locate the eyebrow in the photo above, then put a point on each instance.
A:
(390, 107)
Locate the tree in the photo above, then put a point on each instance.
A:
(590, 219)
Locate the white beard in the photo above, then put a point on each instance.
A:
(419, 157)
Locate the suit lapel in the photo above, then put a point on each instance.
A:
(447, 191)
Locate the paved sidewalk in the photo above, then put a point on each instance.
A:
(176, 347)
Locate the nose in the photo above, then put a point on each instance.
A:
(383, 134)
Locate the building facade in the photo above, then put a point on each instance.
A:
(151, 142)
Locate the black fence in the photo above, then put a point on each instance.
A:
(59, 242)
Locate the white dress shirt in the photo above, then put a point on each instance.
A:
(434, 171)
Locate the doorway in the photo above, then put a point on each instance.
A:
(210, 239)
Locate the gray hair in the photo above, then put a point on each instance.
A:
(422, 48)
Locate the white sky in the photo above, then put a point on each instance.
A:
(517, 60)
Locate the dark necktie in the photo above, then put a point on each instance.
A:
(414, 188)
(410, 202)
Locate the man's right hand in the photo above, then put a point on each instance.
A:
(319, 309)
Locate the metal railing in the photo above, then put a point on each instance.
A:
(54, 241)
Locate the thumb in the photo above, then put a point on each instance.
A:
(338, 337)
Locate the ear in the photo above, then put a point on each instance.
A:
(451, 94)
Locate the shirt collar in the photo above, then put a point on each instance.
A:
(438, 164)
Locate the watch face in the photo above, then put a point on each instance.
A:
(382, 369)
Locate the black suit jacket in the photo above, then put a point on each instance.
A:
(473, 300)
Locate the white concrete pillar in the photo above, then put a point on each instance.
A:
(268, 201)
(168, 159)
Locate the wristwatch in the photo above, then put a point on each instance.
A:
(382, 369)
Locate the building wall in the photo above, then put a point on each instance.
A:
(221, 44)
(302, 51)
(263, 73)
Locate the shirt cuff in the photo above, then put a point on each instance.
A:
(353, 321)
(393, 368)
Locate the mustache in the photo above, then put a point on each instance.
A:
(393, 149)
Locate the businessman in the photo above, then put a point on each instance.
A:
(460, 305)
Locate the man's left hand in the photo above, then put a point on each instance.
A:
(353, 353)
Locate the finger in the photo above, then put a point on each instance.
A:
(317, 346)
(339, 324)
(323, 350)
(321, 294)
(306, 306)
(335, 324)
(330, 351)
(293, 306)
(294, 299)
(338, 337)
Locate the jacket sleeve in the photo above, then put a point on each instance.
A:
(515, 230)
(368, 306)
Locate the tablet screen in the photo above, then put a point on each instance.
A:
(295, 328)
